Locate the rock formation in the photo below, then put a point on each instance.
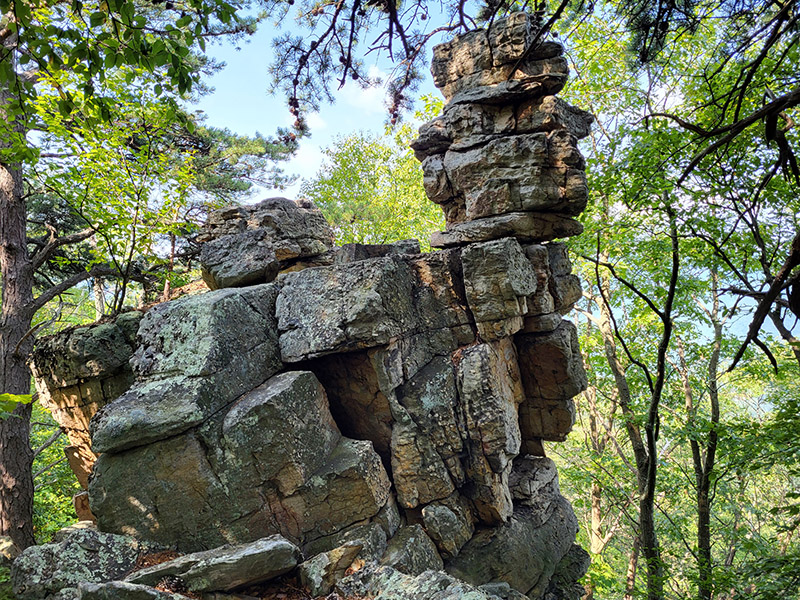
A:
(371, 402)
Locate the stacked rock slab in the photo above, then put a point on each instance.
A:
(373, 397)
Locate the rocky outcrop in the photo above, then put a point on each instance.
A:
(502, 159)
(384, 406)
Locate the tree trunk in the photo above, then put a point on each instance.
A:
(630, 576)
(16, 456)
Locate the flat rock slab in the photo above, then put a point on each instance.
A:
(525, 226)
(228, 567)
(122, 590)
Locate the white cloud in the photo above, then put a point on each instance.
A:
(316, 122)
(369, 99)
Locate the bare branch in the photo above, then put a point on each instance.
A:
(50, 441)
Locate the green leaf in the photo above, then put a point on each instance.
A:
(8, 402)
(97, 18)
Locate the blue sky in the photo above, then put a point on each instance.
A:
(241, 103)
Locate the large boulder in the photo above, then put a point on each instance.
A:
(78, 372)
(346, 307)
(247, 245)
(273, 463)
(196, 355)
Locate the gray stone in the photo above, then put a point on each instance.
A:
(490, 390)
(498, 278)
(540, 172)
(525, 226)
(78, 555)
(534, 482)
(485, 57)
(523, 552)
(121, 590)
(197, 354)
(566, 291)
(412, 552)
(344, 307)
(438, 297)
(541, 301)
(468, 125)
(238, 260)
(449, 524)
(79, 371)
(386, 583)
(549, 420)
(427, 439)
(419, 474)
(502, 590)
(246, 245)
(551, 364)
(99, 350)
(227, 567)
(351, 486)
(564, 582)
(353, 252)
(322, 572)
(542, 323)
(273, 463)
(558, 259)
(282, 431)
(371, 537)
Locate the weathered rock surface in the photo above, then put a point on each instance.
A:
(227, 567)
(322, 572)
(273, 463)
(485, 58)
(525, 226)
(521, 552)
(564, 582)
(386, 583)
(498, 278)
(77, 555)
(346, 307)
(502, 159)
(121, 590)
(197, 354)
(412, 552)
(80, 371)
(247, 245)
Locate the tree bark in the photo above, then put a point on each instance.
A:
(16, 456)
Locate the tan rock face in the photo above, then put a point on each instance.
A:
(373, 399)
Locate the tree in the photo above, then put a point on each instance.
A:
(370, 190)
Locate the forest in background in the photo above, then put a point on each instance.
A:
(689, 261)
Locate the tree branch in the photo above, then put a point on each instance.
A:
(41, 255)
